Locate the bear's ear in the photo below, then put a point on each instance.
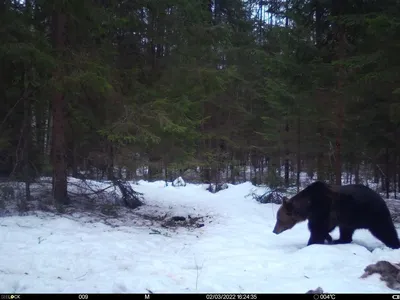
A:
(288, 204)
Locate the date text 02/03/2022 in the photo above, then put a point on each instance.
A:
(231, 297)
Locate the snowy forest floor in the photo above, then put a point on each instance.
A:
(183, 240)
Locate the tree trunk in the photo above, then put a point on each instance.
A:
(27, 147)
(155, 169)
(232, 173)
(376, 174)
(244, 167)
(357, 174)
(205, 175)
(287, 153)
(320, 156)
(48, 130)
(250, 168)
(128, 174)
(337, 10)
(74, 161)
(338, 148)
(387, 177)
(59, 116)
(394, 180)
(318, 22)
(166, 172)
(110, 161)
(383, 182)
(298, 155)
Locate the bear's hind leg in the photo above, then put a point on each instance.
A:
(387, 234)
(346, 235)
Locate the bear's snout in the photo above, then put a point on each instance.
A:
(277, 229)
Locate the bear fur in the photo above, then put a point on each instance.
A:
(350, 207)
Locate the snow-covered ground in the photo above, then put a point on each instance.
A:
(235, 251)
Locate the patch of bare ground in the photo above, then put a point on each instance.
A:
(103, 203)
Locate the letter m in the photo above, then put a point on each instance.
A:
(147, 296)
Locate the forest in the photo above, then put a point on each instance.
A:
(231, 90)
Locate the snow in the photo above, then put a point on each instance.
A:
(235, 251)
(179, 182)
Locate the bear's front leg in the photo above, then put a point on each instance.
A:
(316, 238)
(319, 231)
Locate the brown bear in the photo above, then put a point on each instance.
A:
(350, 207)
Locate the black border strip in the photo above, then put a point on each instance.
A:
(211, 296)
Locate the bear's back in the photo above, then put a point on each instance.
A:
(360, 205)
(362, 195)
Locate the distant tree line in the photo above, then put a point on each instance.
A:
(233, 90)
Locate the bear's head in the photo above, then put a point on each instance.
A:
(290, 213)
(297, 208)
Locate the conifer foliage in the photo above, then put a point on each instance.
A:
(214, 90)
